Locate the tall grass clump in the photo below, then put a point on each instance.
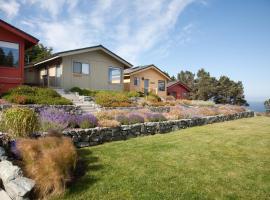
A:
(49, 161)
(19, 122)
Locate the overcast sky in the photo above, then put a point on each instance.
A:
(226, 37)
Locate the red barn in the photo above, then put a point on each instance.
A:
(178, 89)
(13, 43)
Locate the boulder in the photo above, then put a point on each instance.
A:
(4, 195)
(8, 171)
(19, 188)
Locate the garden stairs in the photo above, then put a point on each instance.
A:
(80, 101)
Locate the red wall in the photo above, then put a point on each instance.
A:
(179, 90)
(11, 76)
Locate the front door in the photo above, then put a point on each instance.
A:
(146, 86)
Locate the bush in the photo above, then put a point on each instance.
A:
(35, 95)
(84, 92)
(153, 98)
(133, 94)
(135, 118)
(49, 161)
(87, 121)
(54, 119)
(108, 123)
(112, 99)
(123, 119)
(155, 117)
(170, 98)
(19, 122)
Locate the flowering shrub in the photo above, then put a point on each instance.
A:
(87, 121)
(54, 119)
(123, 119)
(108, 123)
(155, 117)
(135, 118)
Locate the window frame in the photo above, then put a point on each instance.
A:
(161, 90)
(136, 80)
(19, 56)
(109, 74)
(81, 67)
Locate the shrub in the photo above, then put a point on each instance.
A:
(49, 161)
(153, 97)
(133, 94)
(76, 89)
(158, 104)
(19, 122)
(108, 123)
(155, 117)
(135, 118)
(35, 95)
(206, 111)
(123, 119)
(54, 119)
(84, 92)
(112, 99)
(87, 121)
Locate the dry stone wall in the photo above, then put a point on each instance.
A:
(96, 136)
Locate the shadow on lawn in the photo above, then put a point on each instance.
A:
(83, 178)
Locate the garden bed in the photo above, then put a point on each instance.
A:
(99, 135)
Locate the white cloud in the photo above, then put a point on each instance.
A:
(10, 8)
(130, 28)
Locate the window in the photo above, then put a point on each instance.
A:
(81, 68)
(114, 75)
(161, 85)
(136, 81)
(9, 54)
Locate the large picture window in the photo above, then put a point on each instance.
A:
(114, 75)
(161, 85)
(9, 54)
(81, 68)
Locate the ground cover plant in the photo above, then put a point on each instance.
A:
(227, 160)
(35, 95)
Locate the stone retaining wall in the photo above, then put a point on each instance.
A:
(72, 109)
(96, 136)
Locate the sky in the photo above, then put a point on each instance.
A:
(225, 37)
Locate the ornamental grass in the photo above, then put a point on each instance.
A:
(50, 161)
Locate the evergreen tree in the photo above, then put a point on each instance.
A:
(9, 59)
(187, 78)
(37, 52)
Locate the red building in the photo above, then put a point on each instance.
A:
(178, 90)
(13, 43)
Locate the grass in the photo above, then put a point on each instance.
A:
(229, 160)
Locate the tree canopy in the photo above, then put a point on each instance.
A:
(37, 52)
(205, 87)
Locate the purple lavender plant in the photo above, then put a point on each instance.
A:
(86, 121)
(54, 119)
(123, 119)
(135, 118)
(155, 117)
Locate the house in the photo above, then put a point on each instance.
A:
(94, 68)
(178, 89)
(148, 78)
(13, 43)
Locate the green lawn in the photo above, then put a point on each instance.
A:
(229, 160)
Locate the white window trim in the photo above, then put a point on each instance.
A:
(121, 75)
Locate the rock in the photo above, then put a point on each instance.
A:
(19, 187)
(8, 171)
(4, 195)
